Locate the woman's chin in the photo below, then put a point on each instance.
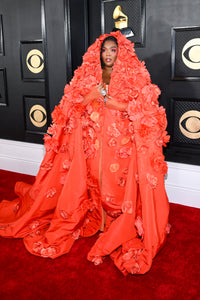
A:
(109, 65)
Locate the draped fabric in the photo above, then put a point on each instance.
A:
(97, 158)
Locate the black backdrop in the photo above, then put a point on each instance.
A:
(62, 31)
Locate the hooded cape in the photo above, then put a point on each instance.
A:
(97, 157)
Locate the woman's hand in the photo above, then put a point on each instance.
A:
(94, 94)
(113, 104)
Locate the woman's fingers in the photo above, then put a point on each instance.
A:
(102, 89)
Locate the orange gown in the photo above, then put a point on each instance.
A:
(98, 157)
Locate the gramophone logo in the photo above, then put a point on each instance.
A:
(191, 54)
(121, 22)
(35, 61)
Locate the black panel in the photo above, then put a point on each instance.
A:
(37, 62)
(186, 53)
(133, 10)
(185, 131)
(161, 17)
(56, 49)
(100, 16)
(32, 61)
(3, 88)
(94, 20)
(79, 30)
(21, 22)
(35, 114)
(186, 121)
(1, 36)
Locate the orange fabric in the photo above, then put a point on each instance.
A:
(98, 157)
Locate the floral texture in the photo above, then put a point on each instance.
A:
(51, 192)
(159, 164)
(34, 224)
(97, 157)
(152, 180)
(123, 152)
(64, 214)
(139, 226)
(127, 207)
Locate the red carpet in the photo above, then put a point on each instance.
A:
(175, 273)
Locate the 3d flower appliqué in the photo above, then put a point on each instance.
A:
(52, 130)
(152, 180)
(121, 181)
(58, 116)
(71, 124)
(139, 226)
(142, 149)
(109, 198)
(96, 144)
(113, 130)
(123, 152)
(131, 254)
(47, 166)
(63, 148)
(63, 178)
(159, 164)
(48, 252)
(51, 192)
(66, 164)
(134, 110)
(114, 167)
(34, 224)
(64, 214)
(97, 260)
(127, 207)
(50, 143)
(91, 133)
(76, 234)
(37, 247)
(135, 269)
(163, 139)
(151, 93)
(112, 142)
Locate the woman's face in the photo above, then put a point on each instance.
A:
(109, 53)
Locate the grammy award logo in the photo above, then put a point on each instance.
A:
(189, 124)
(35, 61)
(121, 22)
(191, 54)
(38, 115)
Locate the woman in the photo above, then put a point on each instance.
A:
(103, 169)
